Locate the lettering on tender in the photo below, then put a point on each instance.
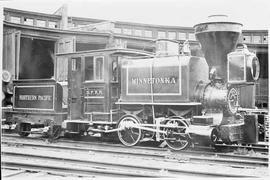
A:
(165, 80)
(45, 98)
(35, 98)
(28, 97)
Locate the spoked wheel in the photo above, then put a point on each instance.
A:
(129, 134)
(23, 129)
(176, 138)
(214, 137)
(54, 131)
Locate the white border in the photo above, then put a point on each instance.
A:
(34, 108)
(157, 94)
(94, 97)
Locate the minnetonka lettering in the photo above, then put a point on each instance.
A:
(165, 80)
(35, 98)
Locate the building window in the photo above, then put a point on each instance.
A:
(6, 17)
(148, 33)
(257, 39)
(70, 25)
(28, 21)
(161, 35)
(94, 68)
(182, 36)
(172, 35)
(76, 64)
(127, 31)
(65, 47)
(61, 69)
(15, 19)
(265, 39)
(138, 32)
(41, 23)
(191, 36)
(52, 24)
(246, 39)
(117, 30)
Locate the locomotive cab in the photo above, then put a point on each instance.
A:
(93, 89)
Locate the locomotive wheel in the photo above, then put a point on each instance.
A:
(54, 131)
(175, 140)
(215, 137)
(129, 135)
(22, 127)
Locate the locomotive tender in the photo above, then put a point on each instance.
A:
(171, 97)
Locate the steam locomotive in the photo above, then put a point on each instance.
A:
(167, 96)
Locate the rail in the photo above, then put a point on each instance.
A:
(253, 110)
(125, 159)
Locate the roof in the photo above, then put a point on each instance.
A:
(122, 51)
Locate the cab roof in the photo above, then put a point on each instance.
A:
(115, 51)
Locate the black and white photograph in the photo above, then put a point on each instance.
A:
(103, 89)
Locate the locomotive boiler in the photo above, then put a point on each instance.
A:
(169, 96)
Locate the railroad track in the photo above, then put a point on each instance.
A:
(262, 148)
(144, 151)
(122, 161)
(189, 156)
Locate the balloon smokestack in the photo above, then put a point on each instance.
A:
(218, 37)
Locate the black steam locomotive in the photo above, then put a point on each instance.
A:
(167, 96)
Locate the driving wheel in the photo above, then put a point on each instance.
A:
(23, 129)
(176, 136)
(54, 131)
(129, 133)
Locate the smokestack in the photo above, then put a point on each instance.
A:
(218, 37)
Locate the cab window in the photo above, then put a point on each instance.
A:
(94, 68)
(99, 68)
